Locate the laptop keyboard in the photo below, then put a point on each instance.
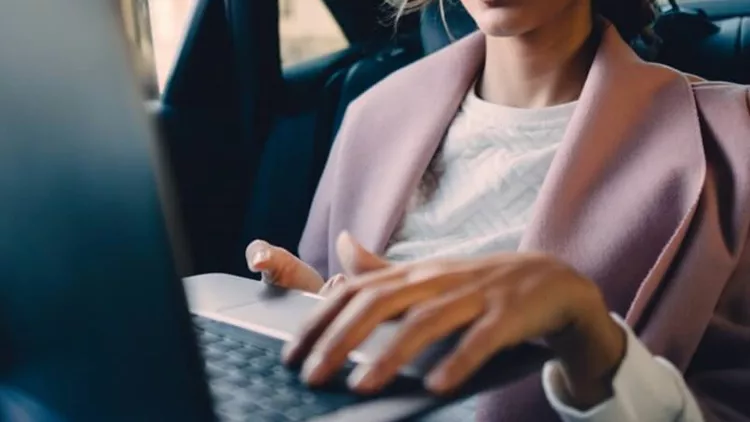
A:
(249, 383)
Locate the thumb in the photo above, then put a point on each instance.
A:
(281, 268)
(259, 257)
(354, 258)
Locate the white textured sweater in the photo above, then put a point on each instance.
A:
(478, 194)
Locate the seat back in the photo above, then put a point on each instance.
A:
(297, 149)
(439, 29)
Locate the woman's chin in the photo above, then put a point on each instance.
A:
(503, 23)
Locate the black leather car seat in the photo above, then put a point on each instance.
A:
(293, 161)
(713, 43)
(708, 38)
(438, 29)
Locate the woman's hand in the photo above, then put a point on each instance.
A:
(502, 300)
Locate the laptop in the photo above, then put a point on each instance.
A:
(95, 324)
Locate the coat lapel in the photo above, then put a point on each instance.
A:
(625, 183)
(408, 133)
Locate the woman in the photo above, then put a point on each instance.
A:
(538, 181)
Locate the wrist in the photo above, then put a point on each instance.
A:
(590, 350)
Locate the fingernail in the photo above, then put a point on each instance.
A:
(259, 257)
(312, 369)
(363, 379)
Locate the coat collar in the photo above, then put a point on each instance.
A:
(620, 192)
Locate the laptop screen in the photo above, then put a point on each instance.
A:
(93, 320)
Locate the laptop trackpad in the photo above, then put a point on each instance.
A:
(286, 314)
(258, 307)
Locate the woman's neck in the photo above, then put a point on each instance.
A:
(544, 67)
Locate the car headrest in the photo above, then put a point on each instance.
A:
(713, 47)
(433, 29)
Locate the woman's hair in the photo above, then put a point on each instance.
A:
(631, 17)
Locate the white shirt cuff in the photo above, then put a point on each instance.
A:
(645, 388)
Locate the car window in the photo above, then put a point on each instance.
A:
(156, 29)
(307, 30)
(169, 23)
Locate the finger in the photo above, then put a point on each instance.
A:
(354, 258)
(475, 347)
(295, 350)
(354, 324)
(333, 283)
(281, 268)
(497, 330)
(506, 322)
(517, 311)
(269, 260)
(360, 317)
(422, 327)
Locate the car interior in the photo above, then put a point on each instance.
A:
(248, 139)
